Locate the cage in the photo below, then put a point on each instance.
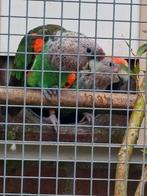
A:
(82, 39)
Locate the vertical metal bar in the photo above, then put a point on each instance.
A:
(41, 105)
(93, 106)
(7, 98)
(76, 115)
(58, 107)
(128, 89)
(24, 108)
(143, 63)
(110, 119)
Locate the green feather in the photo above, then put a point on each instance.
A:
(42, 75)
(19, 61)
(22, 59)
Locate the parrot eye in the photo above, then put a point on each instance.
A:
(88, 50)
(111, 64)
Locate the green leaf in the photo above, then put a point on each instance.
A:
(142, 49)
(136, 68)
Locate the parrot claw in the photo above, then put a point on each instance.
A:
(53, 120)
(49, 93)
(87, 118)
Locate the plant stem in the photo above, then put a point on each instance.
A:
(126, 150)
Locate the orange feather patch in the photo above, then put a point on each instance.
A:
(70, 80)
(38, 45)
(120, 61)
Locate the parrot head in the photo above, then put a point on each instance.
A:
(113, 65)
(104, 65)
(107, 70)
(123, 70)
(73, 50)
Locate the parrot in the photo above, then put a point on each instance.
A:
(103, 69)
(98, 75)
(108, 71)
(65, 52)
(30, 45)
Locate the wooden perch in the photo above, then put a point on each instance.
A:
(68, 98)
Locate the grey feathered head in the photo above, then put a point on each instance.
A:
(100, 74)
(72, 50)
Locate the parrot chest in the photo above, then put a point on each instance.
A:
(46, 79)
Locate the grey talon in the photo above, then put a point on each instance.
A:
(87, 117)
(49, 93)
(52, 119)
(46, 94)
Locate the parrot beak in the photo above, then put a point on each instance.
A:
(115, 69)
(85, 68)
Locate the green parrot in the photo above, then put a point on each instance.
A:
(63, 53)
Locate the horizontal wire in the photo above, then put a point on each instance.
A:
(75, 19)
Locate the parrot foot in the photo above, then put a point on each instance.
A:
(49, 93)
(52, 119)
(87, 118)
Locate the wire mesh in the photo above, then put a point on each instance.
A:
(76, 158)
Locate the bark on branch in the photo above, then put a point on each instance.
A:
(67, 98)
